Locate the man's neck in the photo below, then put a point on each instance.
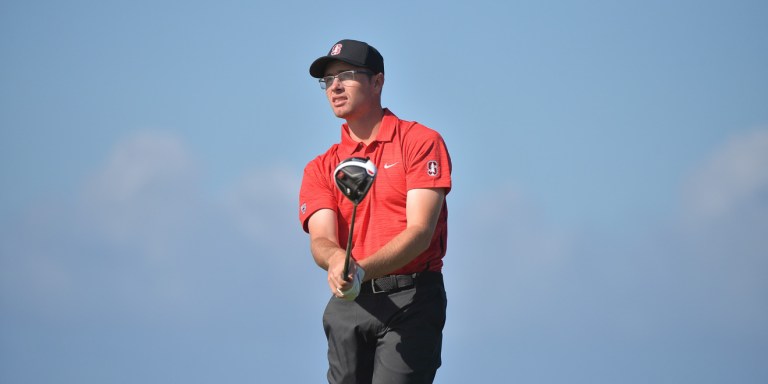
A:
(365, 128)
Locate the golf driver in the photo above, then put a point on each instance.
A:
(354, 177)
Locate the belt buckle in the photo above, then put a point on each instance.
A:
(373, 286)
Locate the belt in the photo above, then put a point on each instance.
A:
(392, 283)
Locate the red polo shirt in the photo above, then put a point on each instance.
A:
(408, 156)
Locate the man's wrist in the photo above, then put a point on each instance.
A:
(335, 256)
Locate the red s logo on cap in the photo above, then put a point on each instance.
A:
(336, 50)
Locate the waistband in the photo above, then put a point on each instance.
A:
(394, 283)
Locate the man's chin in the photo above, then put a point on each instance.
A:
(341, 113)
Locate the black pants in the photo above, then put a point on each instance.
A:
(394, 337)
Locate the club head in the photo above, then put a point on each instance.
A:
(354, 177)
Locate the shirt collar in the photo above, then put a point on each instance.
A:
(386, 133)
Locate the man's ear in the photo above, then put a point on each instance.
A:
(378, 81)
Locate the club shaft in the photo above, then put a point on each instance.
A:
(345, 275)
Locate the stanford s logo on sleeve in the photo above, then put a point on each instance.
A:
(432, 168)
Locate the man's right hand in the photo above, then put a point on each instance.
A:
(340, 287)
(351, 294)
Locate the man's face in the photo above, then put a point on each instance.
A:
(351, 99)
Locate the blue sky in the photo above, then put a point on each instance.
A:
(607, 221)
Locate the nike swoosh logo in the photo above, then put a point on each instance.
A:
(388, 166)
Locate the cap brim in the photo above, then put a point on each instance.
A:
(317, 69)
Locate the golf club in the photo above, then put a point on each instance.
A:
(354, 177)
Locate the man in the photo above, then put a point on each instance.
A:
(385, 319)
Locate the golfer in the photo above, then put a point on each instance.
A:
(385, 319)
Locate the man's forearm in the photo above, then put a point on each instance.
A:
(322, 251)
(397, 253)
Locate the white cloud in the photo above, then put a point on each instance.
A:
(265, 199)
(141, 163)
(735, 175)
(143, 240)
(502, 247)
(722, 243)
(145, 245)
(146, 193)
(652, 282)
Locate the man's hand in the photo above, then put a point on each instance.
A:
(351, 294)
(344, 288)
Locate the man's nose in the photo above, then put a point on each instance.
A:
(336, 84)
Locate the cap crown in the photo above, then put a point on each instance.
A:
(354, 52)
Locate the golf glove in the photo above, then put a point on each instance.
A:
(351, 294)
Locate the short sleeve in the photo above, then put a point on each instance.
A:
(427, 158)
(316, 192)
